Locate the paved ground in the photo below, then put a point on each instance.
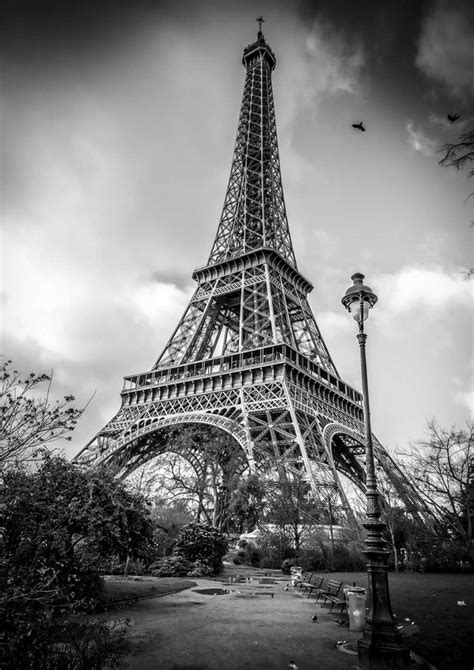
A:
(246, 628)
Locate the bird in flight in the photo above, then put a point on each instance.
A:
(359, 126)
(453, 117)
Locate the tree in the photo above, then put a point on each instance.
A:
(403, 530)
(28, 417)
(168, 518)
(247, 502)
(59, 523)
(291, 508)
(442, 469)
(459, 154)
(196, 468)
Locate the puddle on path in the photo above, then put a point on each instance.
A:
(212, 592)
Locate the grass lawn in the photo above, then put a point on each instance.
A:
(446, 637)
(119, 589)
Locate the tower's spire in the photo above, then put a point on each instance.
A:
(254, 214)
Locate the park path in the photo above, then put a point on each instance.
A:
(246, 628)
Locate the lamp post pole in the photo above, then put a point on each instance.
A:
(381, 646)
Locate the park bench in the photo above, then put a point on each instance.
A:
(314, 585)
(330, 593)
(318, 589)
(337, 600)
(306, 578)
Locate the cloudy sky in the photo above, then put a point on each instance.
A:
(118, 127)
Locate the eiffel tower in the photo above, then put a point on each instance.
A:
(247, 356)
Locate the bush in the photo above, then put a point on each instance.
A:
(200, 542)
(287, 564)
(59, 522)
(171, 566)
(200, 569)
(443, 557)
(312, 561)
(348, 558)
(276, 547)
(62, 643)
(115, 566)
(251, 555)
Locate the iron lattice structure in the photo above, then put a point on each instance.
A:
(247, 356)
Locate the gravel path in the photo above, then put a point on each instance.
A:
(254, 625)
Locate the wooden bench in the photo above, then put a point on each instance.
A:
(314, 585)
(305, 580)
(331, 593)
(339, 601)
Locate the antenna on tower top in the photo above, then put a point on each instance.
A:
(260, 20)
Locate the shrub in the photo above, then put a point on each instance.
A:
(276, 547)
(312, 561)
(443, 557)
(348, 558)
(251, 555)
(115, 566)
(62, 643)
(287, 565)
(171, 566)
(200, 569)
(200, 542)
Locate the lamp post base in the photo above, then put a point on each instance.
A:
(383, 650)
(381, 646)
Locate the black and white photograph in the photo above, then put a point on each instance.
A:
(236, 398)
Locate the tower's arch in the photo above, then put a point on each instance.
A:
(147, 438)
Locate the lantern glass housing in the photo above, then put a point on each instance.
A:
(360, 309)
(359, 298)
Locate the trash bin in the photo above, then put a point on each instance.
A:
(356, 607)
(296, 573)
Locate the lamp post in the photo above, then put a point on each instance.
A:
(381, 646)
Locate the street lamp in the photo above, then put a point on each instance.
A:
(381, 646)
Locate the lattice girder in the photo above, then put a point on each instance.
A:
(253, 306)
(263, 420)
(247, 355)
(254, 213)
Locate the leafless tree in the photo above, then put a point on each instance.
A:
(173, 477)
(442, 469)
(459, 154)
(29, 418)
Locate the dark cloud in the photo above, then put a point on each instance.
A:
(388, 34)
(446, 49)
(387, 28)
(48, 28)
(54, 29)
